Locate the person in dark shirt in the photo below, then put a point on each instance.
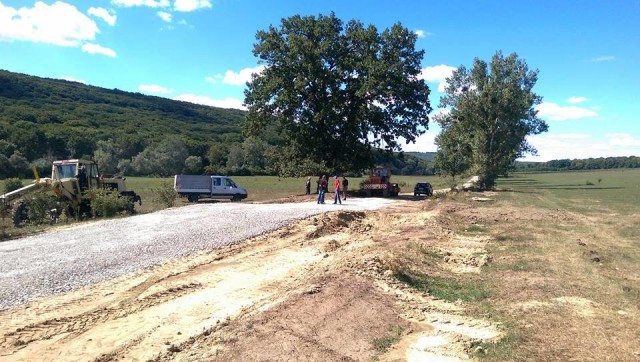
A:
(345, 185)
(322, 188)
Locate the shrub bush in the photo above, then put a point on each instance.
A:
(39, 206)
(165, 194)
(106, 203)
(12, 184)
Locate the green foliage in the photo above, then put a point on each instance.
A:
(164, 194)
(193, 165)
(492, 113)
(64, 119)
(6, 170)
(6, 148)
(454, 152)
(20, 164)
(328, 88)
(12, 184)
(39, 206)
(107, 156)
(107, 203)
(42, 120)
(162, 159)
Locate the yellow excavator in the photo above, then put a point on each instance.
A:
(69, 180)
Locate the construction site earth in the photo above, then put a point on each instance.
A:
(322, 288)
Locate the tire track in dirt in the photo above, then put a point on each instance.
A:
(74, 326)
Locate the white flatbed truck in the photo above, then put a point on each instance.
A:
(195, 187)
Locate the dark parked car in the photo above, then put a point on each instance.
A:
(423, 188)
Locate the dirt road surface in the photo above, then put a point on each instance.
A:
(72, 257)
(318, 289)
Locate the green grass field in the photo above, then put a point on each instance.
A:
(583, 191)
(260, 188)
(586, 191)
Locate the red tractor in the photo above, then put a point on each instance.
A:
(379, 183)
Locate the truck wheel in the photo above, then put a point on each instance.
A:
(192, 197)
(236, 197)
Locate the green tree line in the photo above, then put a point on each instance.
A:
(600, 163)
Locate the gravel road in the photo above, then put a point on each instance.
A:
(72, 257)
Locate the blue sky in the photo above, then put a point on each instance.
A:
(588, 52)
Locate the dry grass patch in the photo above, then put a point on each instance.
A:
(564, 284)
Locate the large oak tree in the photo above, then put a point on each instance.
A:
(334, 91)
(491, 113)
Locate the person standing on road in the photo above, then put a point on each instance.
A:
(308, 186)
(336, 190)
(345, 186)
(322, 188)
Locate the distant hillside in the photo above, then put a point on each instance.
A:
(41, 116)
(427, 156)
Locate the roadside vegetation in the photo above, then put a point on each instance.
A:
(563, 279)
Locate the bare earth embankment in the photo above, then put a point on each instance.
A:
(421, 280)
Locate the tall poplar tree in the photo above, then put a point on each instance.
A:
(491, 112)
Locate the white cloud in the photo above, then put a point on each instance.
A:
(555, 112)
(228, 102)
(437, 74)
(164, 16)
(147, 3)
(623, 139)
(60, 24)
(191, 5)
(569, 136)
(215, 79)
(103, 14)
(581, 146)
(154, 88)
(241, 77)
(424, 143)
(604, 58)
(98, 49)
(576, 99)
(72, 79)
(421, 33)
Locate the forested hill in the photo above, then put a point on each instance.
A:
(130, 133)
(65, 119)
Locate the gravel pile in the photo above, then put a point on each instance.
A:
(70, 258)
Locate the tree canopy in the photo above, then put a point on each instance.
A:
(334, 91)
(490, 114)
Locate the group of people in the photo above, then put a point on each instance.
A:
(322, 186)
